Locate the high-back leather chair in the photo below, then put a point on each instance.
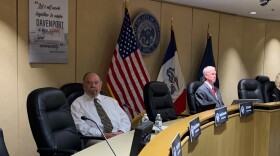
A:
(51, 123)
(70, 88)
(191, 89)
(3, 148)
(268, 91)
(262, 79)
(158, 100)
(71, 98)
(249, 89)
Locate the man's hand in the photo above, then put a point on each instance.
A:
(110, 135)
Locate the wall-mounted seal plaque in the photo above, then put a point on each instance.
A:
(147, 32)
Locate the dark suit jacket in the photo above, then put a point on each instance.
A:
(276, 94)
(204, 95)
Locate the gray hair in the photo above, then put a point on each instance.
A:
(207, 69)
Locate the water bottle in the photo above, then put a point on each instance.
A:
(145, 118)
(158, 124)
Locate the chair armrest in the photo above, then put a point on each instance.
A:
(84, 137)
(91, 137)
(52, 150)
(182, 115)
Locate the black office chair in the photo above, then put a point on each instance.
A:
(3, 148)
(191, 89)
(249, 89)
(262, 79)
(158, 100)
(51, 123)
(71, 98)
(70, 88)
(268, 91)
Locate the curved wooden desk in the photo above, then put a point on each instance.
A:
(254, 135)
(121, 145)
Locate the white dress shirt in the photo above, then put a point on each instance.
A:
(84, 106)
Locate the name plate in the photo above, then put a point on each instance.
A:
(176, 148)
(194, 129)
(246, 108)
(221, 116)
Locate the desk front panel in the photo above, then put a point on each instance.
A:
(234, 138)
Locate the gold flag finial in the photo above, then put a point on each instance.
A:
(125, 2)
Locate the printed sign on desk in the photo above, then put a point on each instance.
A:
(176, 148)
(246, 108)
(194, 129)
(221, 116)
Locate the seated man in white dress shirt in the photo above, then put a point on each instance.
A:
(85, 106)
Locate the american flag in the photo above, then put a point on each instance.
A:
(127, 73)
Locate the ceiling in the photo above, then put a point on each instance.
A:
(271, 11)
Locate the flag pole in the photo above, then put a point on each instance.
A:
(172, 28)
(172, 23)
(208, 34)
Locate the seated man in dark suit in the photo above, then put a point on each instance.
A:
(207, 92)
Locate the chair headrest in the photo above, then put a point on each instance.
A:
(193, 86)
(157, 88)
(248, 84)
(262, 79)
(70, 88)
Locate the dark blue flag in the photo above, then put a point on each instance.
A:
(207, 60)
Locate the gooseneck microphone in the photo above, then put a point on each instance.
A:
(85, 118)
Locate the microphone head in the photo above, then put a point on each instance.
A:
(83, 117)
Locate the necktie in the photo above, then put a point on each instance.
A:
(108, 127)
(213, 90)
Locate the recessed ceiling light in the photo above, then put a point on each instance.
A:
(253, 12)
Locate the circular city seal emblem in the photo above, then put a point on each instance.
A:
(147, 32)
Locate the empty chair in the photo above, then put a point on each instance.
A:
(3, 148)
(268, 89)
(249, 89)
(262, 79)
(51, 123)
(158, 100)
(191, 89)
(70, 88)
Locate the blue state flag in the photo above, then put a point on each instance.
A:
(207, 60)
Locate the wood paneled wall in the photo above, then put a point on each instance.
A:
(243, 47)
